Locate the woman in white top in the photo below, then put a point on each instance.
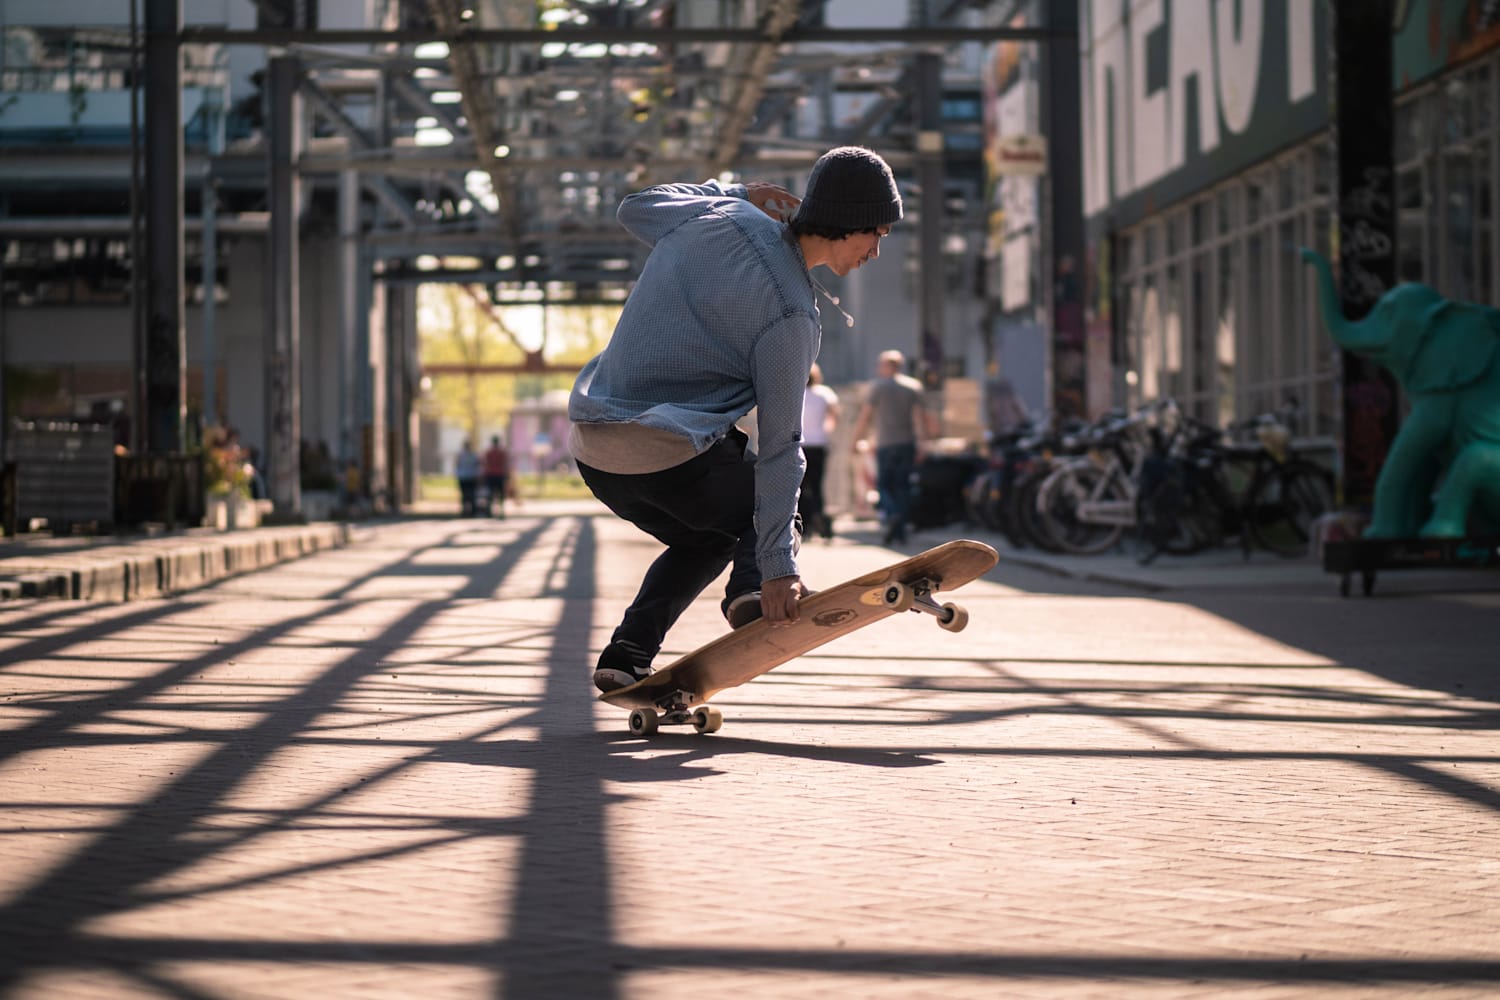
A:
(820, 414)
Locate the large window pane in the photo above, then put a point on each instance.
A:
(1225, 330)
(1461, 232)
(1148, 340)
(1411, 238)
(1291, 335)
(1258, 319)
(1172, 323)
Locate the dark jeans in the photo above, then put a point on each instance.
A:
(703, 511)
(894, 464)
(468, 494)
(494, 488)
(810, 502)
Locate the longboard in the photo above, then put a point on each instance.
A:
(678, 693)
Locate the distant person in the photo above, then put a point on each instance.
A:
(820, 415)
(894, 407)
(253, 470)
(496, 476)
(1007, 411)
(354, 482)
(466, 471)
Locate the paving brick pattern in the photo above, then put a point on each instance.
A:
(380, 772)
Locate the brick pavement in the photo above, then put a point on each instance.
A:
(360, 774)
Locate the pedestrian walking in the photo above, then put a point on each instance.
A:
(724, 318)
(466, 471)
(496, 476)
(893, 406)
(820, 415)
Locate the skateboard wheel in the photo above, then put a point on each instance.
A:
(898, 597)
(953, 618)
(707, 720)
(643, 722)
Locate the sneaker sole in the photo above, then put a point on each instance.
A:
(610, 679)
(743, 612)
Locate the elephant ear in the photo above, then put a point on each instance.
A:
(1459, 342)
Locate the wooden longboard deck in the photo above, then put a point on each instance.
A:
(748, 652)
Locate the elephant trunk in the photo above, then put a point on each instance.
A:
(1362, 336)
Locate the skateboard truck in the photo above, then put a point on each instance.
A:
(675, 712)
(917, 596)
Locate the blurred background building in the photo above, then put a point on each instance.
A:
(221, 212)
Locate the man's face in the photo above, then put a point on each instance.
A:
(854, 250)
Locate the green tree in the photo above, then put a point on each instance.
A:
(460, 332)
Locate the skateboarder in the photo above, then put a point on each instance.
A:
(722, 319)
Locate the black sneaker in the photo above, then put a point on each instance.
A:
(620, 665)
(743, 609)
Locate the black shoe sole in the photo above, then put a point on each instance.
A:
(609, 679)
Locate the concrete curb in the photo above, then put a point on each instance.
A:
(156, 567)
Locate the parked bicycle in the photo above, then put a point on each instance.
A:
(1200, 487)
(1088, 502)
(1003, 496)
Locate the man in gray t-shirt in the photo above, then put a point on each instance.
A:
(893, 404)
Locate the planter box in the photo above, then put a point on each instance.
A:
(228, 511)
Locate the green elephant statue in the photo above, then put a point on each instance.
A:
(1441, 477)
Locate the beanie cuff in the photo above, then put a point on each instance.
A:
(854, 218)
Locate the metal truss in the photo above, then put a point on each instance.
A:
(512, 127)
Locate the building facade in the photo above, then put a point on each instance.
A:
(1210, 160)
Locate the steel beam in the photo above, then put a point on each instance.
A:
(594, 34)
(752, 65)
(381, 188)
(479, 110)
(524, 368)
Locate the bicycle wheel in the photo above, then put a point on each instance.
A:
(1028, 523)
(1000, 516)
(1060, 497)
(1170, 519)
(977, 501)
(1283, 504)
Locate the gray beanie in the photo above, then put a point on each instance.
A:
(850, 188)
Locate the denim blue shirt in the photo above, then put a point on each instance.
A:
(722, 319)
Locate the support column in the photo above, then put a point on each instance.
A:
(351, 321)
(370, 334)
(930, 176)
(213, 109)
(283, 331)
(166, 335)
(1364, 136)
(1063, 246)
(377, 355)
(400, 303)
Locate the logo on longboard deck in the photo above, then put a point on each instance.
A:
(833, 616)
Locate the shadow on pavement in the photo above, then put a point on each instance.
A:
(563, 938)
(562, 907)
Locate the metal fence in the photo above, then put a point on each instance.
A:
(65, 473)
(68, 475)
